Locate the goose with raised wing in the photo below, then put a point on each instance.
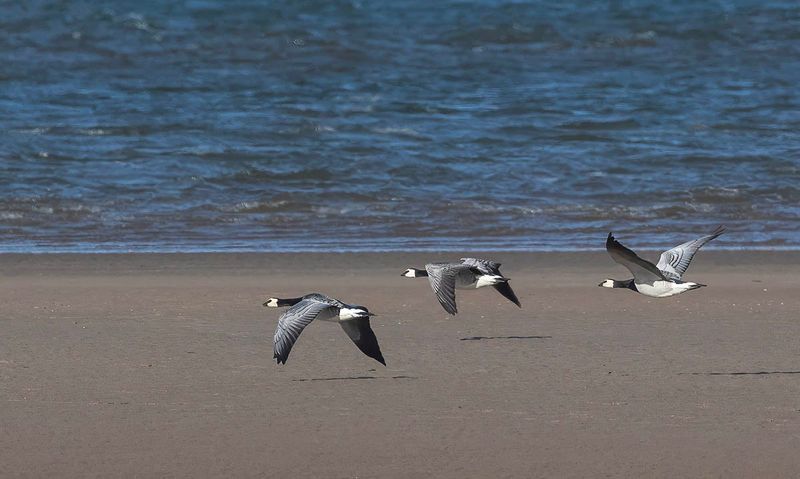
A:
(302, 311)
(662, 280)
(470, 273)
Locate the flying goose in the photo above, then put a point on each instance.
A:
(661, 280)
(354, 320)
(471, 273)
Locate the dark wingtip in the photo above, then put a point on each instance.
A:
(505, 290)
(452, 312)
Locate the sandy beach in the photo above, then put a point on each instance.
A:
(160, 365)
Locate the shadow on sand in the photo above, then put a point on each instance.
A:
(746, 373)
(348, 378)
(480, 338)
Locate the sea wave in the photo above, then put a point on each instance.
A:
(412, 125)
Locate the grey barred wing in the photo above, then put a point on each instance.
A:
(485, 266)
(292, 323)
(442, 277)
(674, 262)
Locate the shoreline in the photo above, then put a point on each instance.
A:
(16, 264)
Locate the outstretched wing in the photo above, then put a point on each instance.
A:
(442, 277)
(643, 271)
(361, 333)
(674, 262)
(292, 323)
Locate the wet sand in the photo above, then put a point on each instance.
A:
(161, 365)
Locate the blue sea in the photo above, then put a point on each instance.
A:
(320, 125)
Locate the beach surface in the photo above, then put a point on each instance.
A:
(160, 365)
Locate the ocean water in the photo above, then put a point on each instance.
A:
(408, 125)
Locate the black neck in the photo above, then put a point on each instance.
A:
(628, 283)
(421, 272)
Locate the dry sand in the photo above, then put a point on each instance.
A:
(161, 365)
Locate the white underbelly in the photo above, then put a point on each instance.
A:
(661, 289)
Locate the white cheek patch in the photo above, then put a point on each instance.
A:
(272, 303)
(410, 274)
